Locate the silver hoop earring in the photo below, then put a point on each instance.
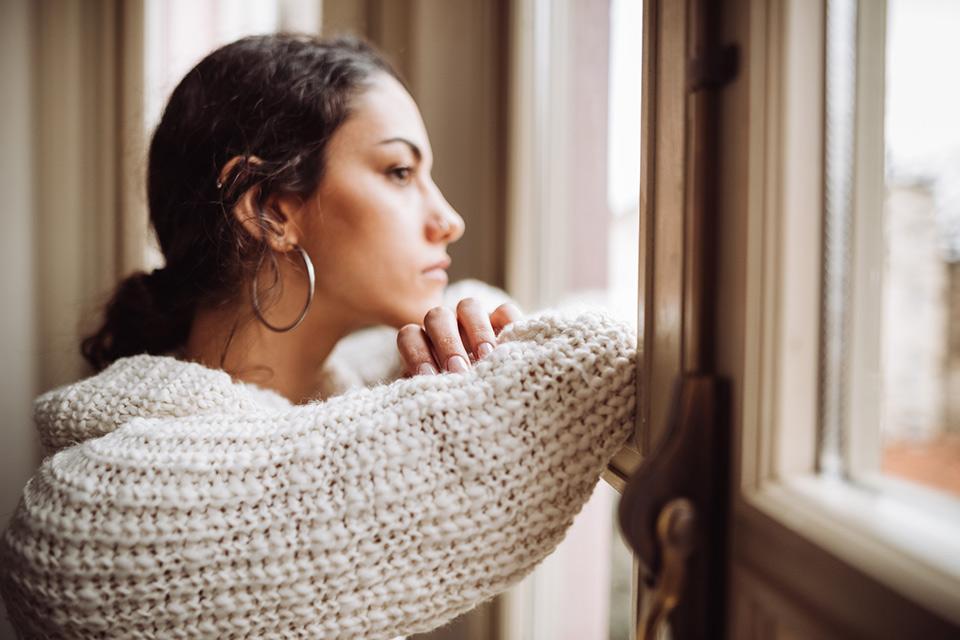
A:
(303, 314)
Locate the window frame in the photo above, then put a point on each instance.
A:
(777, 484)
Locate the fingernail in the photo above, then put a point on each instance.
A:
(457, 364)
(427, 369)
(484, 349)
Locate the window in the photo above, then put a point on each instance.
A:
(920, 351)
(891, 226)
(846, 436)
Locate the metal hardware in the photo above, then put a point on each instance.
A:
(672, 515)
(675, 533)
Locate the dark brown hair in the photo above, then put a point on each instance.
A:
(278, 97)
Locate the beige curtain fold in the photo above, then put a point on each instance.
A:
(90, 202)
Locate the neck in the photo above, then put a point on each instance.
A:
(289, 363)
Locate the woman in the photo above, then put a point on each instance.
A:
(198, 486)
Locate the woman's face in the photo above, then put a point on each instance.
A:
(377, 225)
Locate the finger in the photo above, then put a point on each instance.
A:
(443, 332)
(476, 326)
(414, 348)
(504, 315)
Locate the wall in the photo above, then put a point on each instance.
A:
(18, 446)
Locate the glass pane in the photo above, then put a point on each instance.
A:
(921, 273)
(890, 348)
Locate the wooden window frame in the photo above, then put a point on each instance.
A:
(671, 312)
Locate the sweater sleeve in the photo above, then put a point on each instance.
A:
(382, 512)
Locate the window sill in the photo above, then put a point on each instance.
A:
(896, 534)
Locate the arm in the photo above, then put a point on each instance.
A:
(380, 512)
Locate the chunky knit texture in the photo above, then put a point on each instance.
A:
(183, 504)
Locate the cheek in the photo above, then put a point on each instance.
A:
(385, 241)
(374, 213)
(371, 248)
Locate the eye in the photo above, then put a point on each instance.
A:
(400, 175)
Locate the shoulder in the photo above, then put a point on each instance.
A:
(141, 386)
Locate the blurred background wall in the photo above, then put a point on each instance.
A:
(18, 336)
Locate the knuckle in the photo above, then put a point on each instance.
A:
(468, 304)
(407, 337)
(408, 331)
(508, 308)
(437, 314)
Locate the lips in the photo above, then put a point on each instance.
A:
(441, 265)
(437, 272)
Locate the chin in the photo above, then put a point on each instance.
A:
(410, 308)
(418, 311)
(409, 314)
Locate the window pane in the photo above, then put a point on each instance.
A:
(890, 348)
(921, 274)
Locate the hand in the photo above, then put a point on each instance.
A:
(449, 341)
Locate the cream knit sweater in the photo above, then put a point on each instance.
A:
(180, 503)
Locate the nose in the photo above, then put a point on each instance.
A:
(444, 224)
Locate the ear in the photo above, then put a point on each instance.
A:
(273, 222)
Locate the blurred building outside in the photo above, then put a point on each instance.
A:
(921, 274)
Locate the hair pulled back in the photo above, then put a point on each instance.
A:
(278, 97)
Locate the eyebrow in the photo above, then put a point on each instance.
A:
(413, 147)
